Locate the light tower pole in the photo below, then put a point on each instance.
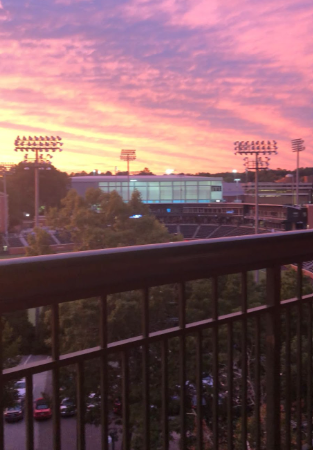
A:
(39, 160)
(297, 146)
(4, 168)
(128, 155)
(255, 149)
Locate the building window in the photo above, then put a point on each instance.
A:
(216, 188)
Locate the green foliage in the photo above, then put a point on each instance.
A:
(38, 243)
(21, 190)
(102, 220)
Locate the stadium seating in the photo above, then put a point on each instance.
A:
(205, 231)
(171, 228)
(188, 231)
(222, 231)
(15, 242)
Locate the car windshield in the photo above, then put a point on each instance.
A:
(14, 408)
(20, 384)
(67, 402)
(42, 406)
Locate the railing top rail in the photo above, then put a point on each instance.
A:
(43, 280)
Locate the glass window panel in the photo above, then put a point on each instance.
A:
(178, 183)
(103, 183)
(165, 183)
(192, 192)
(205, 183)
(153, 183)
(178, 192)
(204, 192)
(154, 193)
(166, 193)
(191, 183)
(143, 191)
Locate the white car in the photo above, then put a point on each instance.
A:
(20, 386)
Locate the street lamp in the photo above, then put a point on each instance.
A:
(39, 160)
(297, 146)
(255, 149)
(128, 155)
(290, 175)
(4, 168)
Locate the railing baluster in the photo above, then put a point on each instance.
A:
(164, 357)
(81, 438)
(309, 381)
(299, 356)
(104, 372)
(125, 401)
(55, 378)
(244, 302)
(273, 358)
(182, 364)
(288, 382)
(199, 390)
(230, 378)
(257, 385)
(29, 413)
(146, 367)
(215, 362)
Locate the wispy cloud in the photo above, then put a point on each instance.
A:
(178, 80)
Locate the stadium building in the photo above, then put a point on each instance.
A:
(166, 189)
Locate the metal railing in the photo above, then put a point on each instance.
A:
(50, 280)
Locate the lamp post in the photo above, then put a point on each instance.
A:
(255, 149)
(39, 161)
(128, 155)
(4, 168)
(290, 175)
(297, 146)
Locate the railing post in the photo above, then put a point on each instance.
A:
(273, 359)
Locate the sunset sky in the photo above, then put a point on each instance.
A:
(178, 80)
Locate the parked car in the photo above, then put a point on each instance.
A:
(67, 407)
(42, 409)
(14, 413)
(20, 386)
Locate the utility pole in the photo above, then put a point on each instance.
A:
(128, 155)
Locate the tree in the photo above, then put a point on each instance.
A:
(21, 191)
(102, 220)
(39, 243)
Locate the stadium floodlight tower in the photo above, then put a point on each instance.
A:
(39, 145)
(4, 168)
(297, 146)
(128, 155)
(255, 149)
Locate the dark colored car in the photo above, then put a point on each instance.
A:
(42, 409)
(67, 407)
(14, 413)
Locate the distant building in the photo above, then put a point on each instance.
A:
(168, 189)
(279, 193)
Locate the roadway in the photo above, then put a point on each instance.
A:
(15, 433)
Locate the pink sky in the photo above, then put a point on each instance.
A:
(178, 80)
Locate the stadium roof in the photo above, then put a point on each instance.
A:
(99, 178)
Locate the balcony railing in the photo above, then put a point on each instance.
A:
(51, 280)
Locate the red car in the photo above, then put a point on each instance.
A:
(42, 409)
